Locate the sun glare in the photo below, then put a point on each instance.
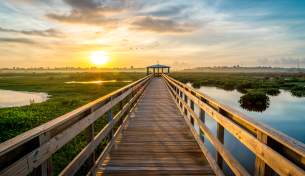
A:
(99, 58)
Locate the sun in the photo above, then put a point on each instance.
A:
(99, 58)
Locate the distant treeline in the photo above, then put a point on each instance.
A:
(238, 68)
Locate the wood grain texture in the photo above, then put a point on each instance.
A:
(155, 140)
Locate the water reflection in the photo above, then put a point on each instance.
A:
(9, 98)
(285, 113)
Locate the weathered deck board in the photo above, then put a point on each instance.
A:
(155, 140)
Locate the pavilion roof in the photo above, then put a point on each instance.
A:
(158, 66)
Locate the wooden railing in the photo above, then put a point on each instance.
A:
(31, 152)
(276, 153)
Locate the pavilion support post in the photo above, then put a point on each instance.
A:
(168, 70)
(147, 71)
(162, 70)
(154, 72)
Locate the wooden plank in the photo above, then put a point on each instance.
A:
(78, 161)
(155, 138)
(119, 117)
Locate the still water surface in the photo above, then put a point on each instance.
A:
(10, 98)
(286, 113)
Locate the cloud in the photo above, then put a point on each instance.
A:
(175, 10)
(78, 17)
(91, 12)
(17, 40)
(162, 25)
(43, 33)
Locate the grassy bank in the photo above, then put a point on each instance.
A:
(64, 98)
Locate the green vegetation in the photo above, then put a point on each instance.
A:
(64, 98)
(298, 91)
(254, 101)
(269, 83)
(255, 86)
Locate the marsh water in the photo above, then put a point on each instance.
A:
(10, 98)
(285, 113)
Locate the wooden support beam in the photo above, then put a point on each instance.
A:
(110, 118)
(45, 169)
(90, 137)
(220, 136)
(202, 118)
(261, 169)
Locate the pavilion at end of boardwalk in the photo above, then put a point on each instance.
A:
(158, 69)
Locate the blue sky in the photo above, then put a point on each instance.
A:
(179, 33)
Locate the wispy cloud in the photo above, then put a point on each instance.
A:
(43, 33)
(161, 25)
(17, 40)
(90, 12)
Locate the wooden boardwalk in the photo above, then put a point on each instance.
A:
(155, 140)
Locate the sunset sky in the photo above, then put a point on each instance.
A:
(179, 33)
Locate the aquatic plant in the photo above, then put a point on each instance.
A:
(254, 101)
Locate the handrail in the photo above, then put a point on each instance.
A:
(283, 154)
(31, 150)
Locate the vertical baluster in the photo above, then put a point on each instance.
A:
(110, 121)
(45, 169)
(192, 104)
(90, 137)
(202, 118)
(192, 107)
(121, 105)
(261, 169)
(220, 136)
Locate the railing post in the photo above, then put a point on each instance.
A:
(220, 136)
(110, 118)
(121, 105)
(192, 105)
(202, 118)
(261, 169)
(45, 169)
(90, 137)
